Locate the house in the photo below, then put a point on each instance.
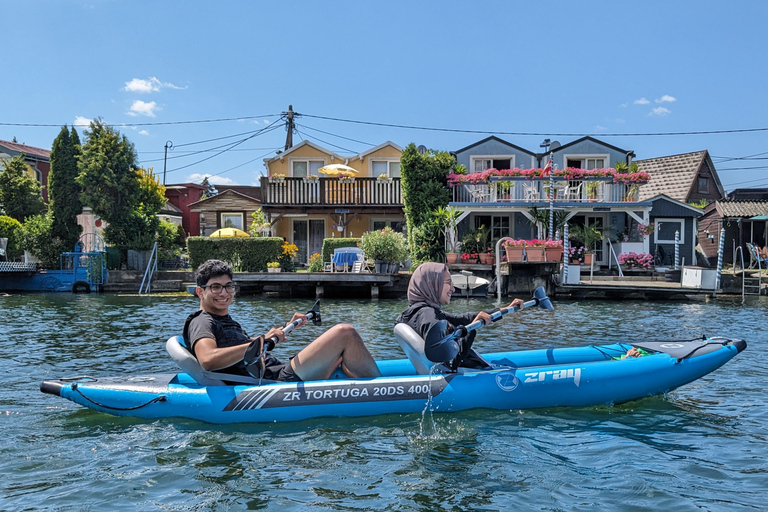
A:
(306, 206)
(687, 178)
(510, 202)
(744, 221)
(171, 213)
(38, 159)
(181, 196)
(230, 208)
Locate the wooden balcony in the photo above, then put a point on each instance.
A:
(533, 192)
(331, 192)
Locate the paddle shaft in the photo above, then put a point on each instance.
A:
(270, 343)
(462, 330)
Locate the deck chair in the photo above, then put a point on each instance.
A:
(572, 192)
(530, 193)
(479, 193)
(754, 257)
(178, 351)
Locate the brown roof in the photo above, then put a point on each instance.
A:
(27, 150)
(674, 175)
(731, 208)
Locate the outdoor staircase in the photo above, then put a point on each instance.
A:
(753, 283)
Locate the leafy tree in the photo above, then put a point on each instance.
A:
(259, 223)
(19, 192)
(11, 229)
(127, 198)
(63, 189)
(37, 239)
(168, 245)
(425, 189)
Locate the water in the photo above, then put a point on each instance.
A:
(702, 447)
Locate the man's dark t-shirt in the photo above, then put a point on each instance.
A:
(227, 333)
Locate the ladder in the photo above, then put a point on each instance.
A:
(750, 285)
(146, 282)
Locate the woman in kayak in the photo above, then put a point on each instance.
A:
(430, 288)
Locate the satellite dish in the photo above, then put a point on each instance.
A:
(554, 145)
(422, 149)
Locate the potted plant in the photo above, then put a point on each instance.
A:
(386, 247)
(632, 260)
(273, 266)
(576, 254)
(469, 258)
(515, 249)
(346, 178)
(490, 257)
(503, 189)
(553, 250)
(383, 178)
(448, 219)
(312, 178)
(475, 241)
(534, 251)
(592, 188)
(276, 178)
(588, 236)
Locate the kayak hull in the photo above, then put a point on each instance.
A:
(578, 376)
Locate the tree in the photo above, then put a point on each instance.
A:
(63, 189)
(210, 189)
(425, 189)
(19, 192)
(127, 198)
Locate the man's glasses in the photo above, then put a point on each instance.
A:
(216, 287)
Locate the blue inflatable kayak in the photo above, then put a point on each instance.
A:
(576, 376)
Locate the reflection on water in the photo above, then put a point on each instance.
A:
(702, 447)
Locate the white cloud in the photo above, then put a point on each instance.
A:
(82, 122)
(659, 112)
(641, 101)
(143, 108)
(216, 180)
(666, 99)
(624, 105)
(143, 132)
(599, 128)
(152, 84)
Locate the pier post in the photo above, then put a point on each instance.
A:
(374, 292)
(318, 292)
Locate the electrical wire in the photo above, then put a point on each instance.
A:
(198, 121)
(339, 136)
(325, 141)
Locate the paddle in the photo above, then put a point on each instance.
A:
(258, 348)
(440, 348)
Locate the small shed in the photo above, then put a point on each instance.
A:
(228, 209)
(670, 216)
(744, 221)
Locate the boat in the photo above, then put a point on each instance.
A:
(469, 285)
(570, 376)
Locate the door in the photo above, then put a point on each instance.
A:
(308, 237)
(600, 252)
(316, 236)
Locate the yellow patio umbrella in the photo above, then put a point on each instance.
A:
(336, 169)
(229, 233)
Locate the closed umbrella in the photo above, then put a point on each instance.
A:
(229, 233)
(336, 169)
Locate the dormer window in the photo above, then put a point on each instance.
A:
(480, 163)
(703, 185)
(586, 161)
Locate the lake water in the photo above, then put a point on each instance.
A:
(701, 447)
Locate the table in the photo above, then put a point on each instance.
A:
(345, 258)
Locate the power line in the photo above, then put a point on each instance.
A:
(486, 132)
(198, 121)
(324, 141)
(339, 136)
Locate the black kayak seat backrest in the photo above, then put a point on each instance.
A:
(413, 346)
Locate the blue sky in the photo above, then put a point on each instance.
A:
(560, 70)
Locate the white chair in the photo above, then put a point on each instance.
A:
(413, 346)
(189, 364)
(479, 193)
(530, 193)
(572, 192)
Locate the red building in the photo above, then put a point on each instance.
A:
(37, 158)
(181, 196)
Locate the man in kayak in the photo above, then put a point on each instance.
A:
(219, 342)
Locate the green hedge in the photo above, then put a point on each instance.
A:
(331, 244)
(244, 254)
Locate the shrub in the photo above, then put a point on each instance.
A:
(385, 245)
(251, 254)
(37, 239)
(426, 239)
(10, 228)
(632, 259)
(316, 263)
(287, 253)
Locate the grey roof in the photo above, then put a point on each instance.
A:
(731, 208)
(674, 176)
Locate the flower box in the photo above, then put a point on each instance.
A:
(534, 254)
(514, 253)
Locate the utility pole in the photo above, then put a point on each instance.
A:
(289, 126)
(168, 145)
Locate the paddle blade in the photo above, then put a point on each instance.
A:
(316, 320)
(541, 298)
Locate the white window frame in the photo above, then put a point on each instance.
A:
(658, 222)
(387, 220)
(322, 161)
(583, 157)
(222, 221)
(473, 158)
(388, 161)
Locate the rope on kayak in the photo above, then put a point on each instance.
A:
(161, 398)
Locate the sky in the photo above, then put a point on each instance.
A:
(212, 78)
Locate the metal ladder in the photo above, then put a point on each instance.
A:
(749, 285)
(149, 272)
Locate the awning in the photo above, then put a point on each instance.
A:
(759, 217)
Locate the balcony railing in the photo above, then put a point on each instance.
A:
(537, 190)
(330, 191)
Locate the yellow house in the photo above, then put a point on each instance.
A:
(306, 206)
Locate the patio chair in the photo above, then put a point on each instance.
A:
(754, 257)
(479, 193)
(529, 192)
(572, 192)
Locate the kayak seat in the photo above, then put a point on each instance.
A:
(413, 346)
(178, 351)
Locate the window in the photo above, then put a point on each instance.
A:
(665, 230)
(703, 185)
(299, 167)
(232, 220)
(480, 163)
(396, 224)
(389, 167)
(586, 161)
(499, 225)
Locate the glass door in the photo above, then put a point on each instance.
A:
(316, 236)
(308, 237)
(300, 239)
(598, 221)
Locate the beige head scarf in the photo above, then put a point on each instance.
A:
(427, 284)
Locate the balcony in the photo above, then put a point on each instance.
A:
(532, 192)
(331, 192)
